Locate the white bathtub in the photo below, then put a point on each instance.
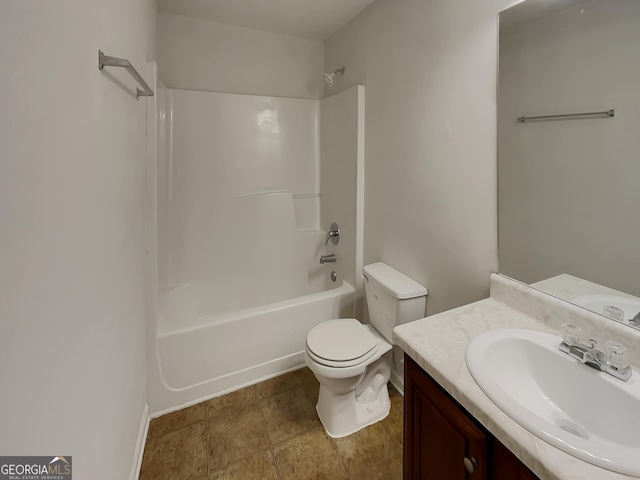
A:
(201, 356)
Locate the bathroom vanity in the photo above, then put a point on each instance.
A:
(442, 440)
(451, 427)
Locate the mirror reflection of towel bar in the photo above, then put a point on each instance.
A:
(608, 114)
(106, 61)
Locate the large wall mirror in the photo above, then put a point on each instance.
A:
(569, 151)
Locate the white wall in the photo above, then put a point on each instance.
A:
(429, 69)
(202, 55)
(569, 188)
(72, 148)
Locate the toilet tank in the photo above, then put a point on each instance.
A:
(392, 298)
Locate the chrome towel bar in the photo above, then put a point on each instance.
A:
(106, 61)
(608, 114)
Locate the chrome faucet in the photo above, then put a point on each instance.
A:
(333, 235)
(614, 360)
(328, 258)
(635, 321)
(588, 354)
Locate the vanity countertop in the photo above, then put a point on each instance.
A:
(438, 344)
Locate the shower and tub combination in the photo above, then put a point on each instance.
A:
(245, 257)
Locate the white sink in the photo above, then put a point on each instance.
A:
(585, 412)
(597, 303)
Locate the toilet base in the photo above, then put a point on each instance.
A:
(342, 414)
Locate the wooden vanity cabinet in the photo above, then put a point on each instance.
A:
(506, 466)
(443, 442)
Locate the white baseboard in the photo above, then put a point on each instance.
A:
(140, 443)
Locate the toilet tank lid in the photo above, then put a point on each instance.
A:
(395, 282)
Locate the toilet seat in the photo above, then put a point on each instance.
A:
(341, 343)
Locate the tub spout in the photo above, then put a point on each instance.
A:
(328, 258)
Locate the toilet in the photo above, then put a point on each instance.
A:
(348, 358)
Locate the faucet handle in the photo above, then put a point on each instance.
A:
(616, 354)
(571, 334)
(593, 342)
(333, 235)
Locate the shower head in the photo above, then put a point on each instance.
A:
(329, 77)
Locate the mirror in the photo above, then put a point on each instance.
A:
(569, 182)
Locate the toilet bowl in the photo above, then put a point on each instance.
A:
(348, 358)
(353, 375)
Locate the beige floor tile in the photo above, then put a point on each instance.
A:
(309, 456)
(234, 436)
(260, 467)
(395, 420)
(365, 448)
(176, 420)
(279, 384)
(238, 445)
(388, 470)
(151, 468)
(231, 401)
(289, 414)
(307, 375)
(310, 384)
(179, 455)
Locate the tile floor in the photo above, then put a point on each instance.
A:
(270, 431)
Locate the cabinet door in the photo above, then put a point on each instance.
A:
(506, 466)
(438, 434)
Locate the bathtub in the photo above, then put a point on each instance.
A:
(204, 355)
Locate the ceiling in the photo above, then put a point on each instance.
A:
(314, 19)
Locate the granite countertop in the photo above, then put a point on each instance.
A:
(438, 345)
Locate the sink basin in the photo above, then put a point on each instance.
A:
(585, 412)
(597, 303)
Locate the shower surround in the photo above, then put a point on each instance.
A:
(238, 217)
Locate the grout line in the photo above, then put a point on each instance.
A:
(289, 388)
(231, 412)
(269, 439)
(335, 449)
(184, 427)
(206, 440)
(149, 437)
(391, 436)
(256, 403)
(306, 397)
(331, 440)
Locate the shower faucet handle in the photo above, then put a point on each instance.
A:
(333, 235)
